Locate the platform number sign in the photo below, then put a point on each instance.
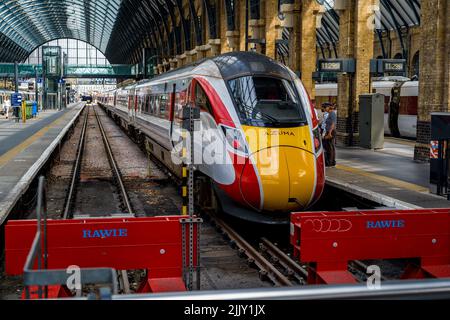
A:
(336, 65)
(330, 66)
(394, 66)
(388, 66)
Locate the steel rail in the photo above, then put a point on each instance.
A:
(293, 269)
(114, 166)
(77, 168)
(404, 289)
(122, 275)
(123, 281)
(266, 268)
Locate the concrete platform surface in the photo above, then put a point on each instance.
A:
(11, 131)
(390, 174)
(24, 149)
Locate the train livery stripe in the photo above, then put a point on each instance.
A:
(221, 114)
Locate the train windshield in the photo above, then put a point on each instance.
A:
(267, 102)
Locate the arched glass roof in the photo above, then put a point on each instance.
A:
(77, 51)
(31, 23)
(119, 28)
(394, 15)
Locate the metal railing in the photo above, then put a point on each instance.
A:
(72, 71)
(403, 289)
(39, 242)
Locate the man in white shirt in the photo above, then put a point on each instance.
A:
(325, 107)
(6, 107)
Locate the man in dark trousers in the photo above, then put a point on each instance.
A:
(329, 141)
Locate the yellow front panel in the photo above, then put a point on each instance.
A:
(273, 171)
(302, 176)
(285, 162)
(260, 138)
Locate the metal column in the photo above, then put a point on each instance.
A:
(16, 77)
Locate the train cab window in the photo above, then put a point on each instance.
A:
(202, 100)
(266, 101)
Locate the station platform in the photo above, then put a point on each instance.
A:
(389, 176)
(26, 147)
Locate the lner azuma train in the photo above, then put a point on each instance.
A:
(260, 150)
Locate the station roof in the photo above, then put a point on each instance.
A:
(117, 27)
(28, 24)
(393, 15)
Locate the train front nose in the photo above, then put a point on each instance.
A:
(287, 177)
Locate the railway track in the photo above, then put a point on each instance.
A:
(70, 203)
(272, 263)
(122, 275)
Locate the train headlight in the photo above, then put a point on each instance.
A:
(317, 141)
(235, 139)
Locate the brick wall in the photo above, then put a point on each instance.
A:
(348, 130)
(422, 149)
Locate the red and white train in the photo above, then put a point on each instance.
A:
(255, 110)
(407, 113)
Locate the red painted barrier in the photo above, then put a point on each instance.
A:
(154, 244)
(330, 240)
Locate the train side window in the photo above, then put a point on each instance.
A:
(202, 100)
(180, 100)
(144, 103)
(163, 105)
(147, 103)
(150, 104)
(157, 105)
(154, 106)
(140, 101)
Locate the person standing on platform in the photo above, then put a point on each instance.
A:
(324, 119)
(319, 115)
(6, 107)
(329, 142)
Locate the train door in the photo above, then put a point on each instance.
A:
(210, 148)
(209, 141)
(131, 103)
(178, 98)
(172, 106)
(136, 103)
(394, 108)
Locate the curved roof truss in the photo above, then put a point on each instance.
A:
(395, 15)
(121, 28)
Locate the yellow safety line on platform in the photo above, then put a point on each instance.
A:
(392, 181)
(400, 141)
(11, 154)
